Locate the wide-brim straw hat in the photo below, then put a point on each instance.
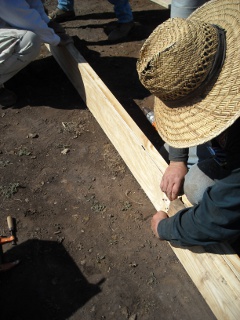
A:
(192, 66)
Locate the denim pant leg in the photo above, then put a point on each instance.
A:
(21, 47)
(66, 5)
(200, 176)
(122, 10)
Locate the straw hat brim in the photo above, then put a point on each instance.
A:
(205, 118)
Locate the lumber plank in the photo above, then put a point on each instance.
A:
(163, 3)
(216, 274)
(133, 146)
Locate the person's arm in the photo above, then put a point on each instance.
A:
(173, 178)
(215, 219)
(178, 154)
(57, 28)
(38, 5)
(19, 14)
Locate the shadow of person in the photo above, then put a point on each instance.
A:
(47, 284)
(43, 83)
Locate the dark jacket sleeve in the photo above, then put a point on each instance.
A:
(215, 219)
(178, 154)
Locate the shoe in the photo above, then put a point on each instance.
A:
(110, 27)
(7, 97)
(120, 31)
(59, 15)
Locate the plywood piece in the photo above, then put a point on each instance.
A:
(163, 3)
(217, 273)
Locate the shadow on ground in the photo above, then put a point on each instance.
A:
(43, 83)
(48, 283)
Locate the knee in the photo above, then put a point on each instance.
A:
(30, 46)
(195, 184)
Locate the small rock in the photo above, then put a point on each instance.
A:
(65, 151)
(93, 309)
(133, 264)
(33, 135)
(83, 262)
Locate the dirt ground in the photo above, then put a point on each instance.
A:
(85, 245)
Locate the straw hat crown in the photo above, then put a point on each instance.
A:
(192, 67)
(173, 66)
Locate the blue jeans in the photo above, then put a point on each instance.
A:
(122, 9)
(66, 5)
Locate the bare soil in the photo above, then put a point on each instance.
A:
(85, 245)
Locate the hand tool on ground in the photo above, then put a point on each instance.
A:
(3, 240)
(12, 229)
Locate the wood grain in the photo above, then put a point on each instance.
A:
(215, 272)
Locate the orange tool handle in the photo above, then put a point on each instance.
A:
(6, 239)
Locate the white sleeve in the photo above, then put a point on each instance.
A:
(19, 14)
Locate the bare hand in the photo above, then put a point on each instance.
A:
(159, 216)
(65, 40)
(173, 178)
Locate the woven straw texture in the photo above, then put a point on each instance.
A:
(168, 74)
(202, 117)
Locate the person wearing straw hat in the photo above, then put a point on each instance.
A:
(181, 159)
(192, 67)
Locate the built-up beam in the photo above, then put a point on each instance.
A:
(217, 273)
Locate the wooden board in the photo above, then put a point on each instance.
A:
(216, 274)
(163, 3)
(133, 146)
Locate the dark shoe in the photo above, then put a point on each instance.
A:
(59, 15)
(121, 31)
(110, 27)
(7, 98)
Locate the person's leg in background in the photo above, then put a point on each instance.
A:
(64, 11)
(183, 8)
(18, 49)
(122, 10)
(124, 17)
(202, 175)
